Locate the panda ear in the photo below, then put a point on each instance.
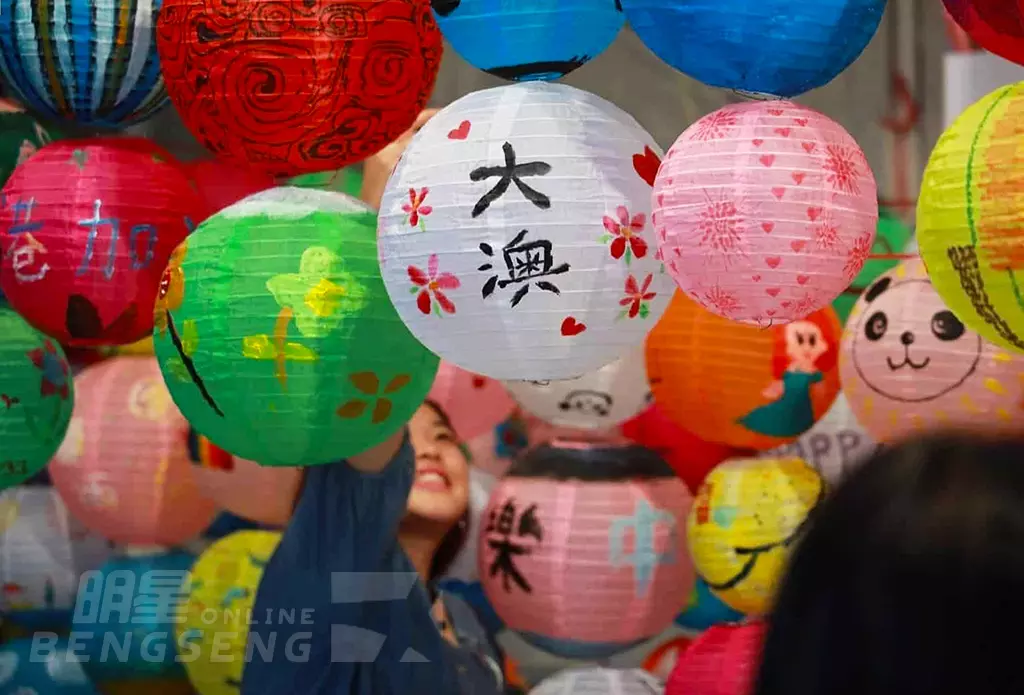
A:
(877, 289)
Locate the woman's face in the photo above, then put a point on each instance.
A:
(440, 490)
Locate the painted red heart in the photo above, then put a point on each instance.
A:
(755, 278)
(773, 261)
(646, 165)
(768, 227)
(786, 305)
(798, 177)
(802, 122)
(770, 312)
(767, 159)
(810, 147)
(798, 245)
(784, 132)
(460, 133)
(758, 142)
(571, 327)
(773, 291)
(802, 279)
(479, 382)
(814, 213)
(776, 112)
(778, 192)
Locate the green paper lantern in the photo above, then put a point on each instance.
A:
(348, 181)
(20, 136)
(276, 335)
(891, 239)
(36, 398)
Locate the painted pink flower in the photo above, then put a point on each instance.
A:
(637, 297)
(858, 256)
(415, 207)
(841, 165)
(626, 234)
(430, 286)
(721, 301)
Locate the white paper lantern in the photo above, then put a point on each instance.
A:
(601, 399)
(515, 233)
(600, 681)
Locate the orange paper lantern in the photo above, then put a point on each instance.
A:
(740, 385)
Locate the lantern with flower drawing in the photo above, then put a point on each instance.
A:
(36, 398)
(123, 468)
(515, 241)
(738, 384)
(86, 230)
(765, 211)
(276, 336)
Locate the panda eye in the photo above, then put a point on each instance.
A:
(876, 326)
(946, 326)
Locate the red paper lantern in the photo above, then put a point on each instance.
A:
(997, 25)
(691, 457)
(221, 184)
(722, 661)
(290, 86)
(86, 230)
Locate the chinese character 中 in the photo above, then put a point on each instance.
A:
(525, 262)
(510, 173)
(500, 530)
(645, 558)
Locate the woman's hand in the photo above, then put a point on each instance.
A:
(377, 169)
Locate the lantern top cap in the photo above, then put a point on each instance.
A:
(292, 202)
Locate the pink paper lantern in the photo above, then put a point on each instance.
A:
(765, 211)
(722, 661)
(909, 366)
(590, 558)
(123, 469)
(475, 404)
(264, 494)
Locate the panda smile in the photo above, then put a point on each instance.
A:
(907, 362)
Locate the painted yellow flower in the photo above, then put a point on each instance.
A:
(320, 294)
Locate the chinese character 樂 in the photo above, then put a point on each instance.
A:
(505, 537)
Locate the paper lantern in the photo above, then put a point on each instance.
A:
(45, 551)
(86, 231)
(909, 365)
(722, 661)
(493, 452)
(221, 593)
(996, 25)
(691, 457)
(765, 212)
(37, 396)
(514, 234)
(277, 337)
(532, 40)
(293, 87)
(348, 181)
(834, 446)
(892, 239)
(123, 469)
(221, 184)
(244, 488)
(92, 64)
(31, 666)
(705, 610)
(142, 627)
(600, 681)
(474, 404)
(970, 223)
(740, 385)
(746, 517)
(769, 48)
(588, 558)
(21, 136)
(601, 399)
(663, 657)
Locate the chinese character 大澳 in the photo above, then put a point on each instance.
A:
(525, 262)
(508, 174)
(506, 538)
(161, 597)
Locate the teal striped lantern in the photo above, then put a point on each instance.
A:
(89, 61)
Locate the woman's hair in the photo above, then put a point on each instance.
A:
(910, 579)
(825, 363)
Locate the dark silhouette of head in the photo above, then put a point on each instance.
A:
(909, 580)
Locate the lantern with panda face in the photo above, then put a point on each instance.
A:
(909, 365)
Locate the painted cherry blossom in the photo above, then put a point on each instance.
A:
(626, 234)
(415, 207)
(637, 297)
(430, 286)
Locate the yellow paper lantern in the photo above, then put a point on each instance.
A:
(221, 593)
(970, 217)
(747, 514)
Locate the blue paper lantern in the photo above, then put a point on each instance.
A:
(705, 609)
(770, 48)
(129, 607)
(89, 61)
(42, 666)
(529, 39)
